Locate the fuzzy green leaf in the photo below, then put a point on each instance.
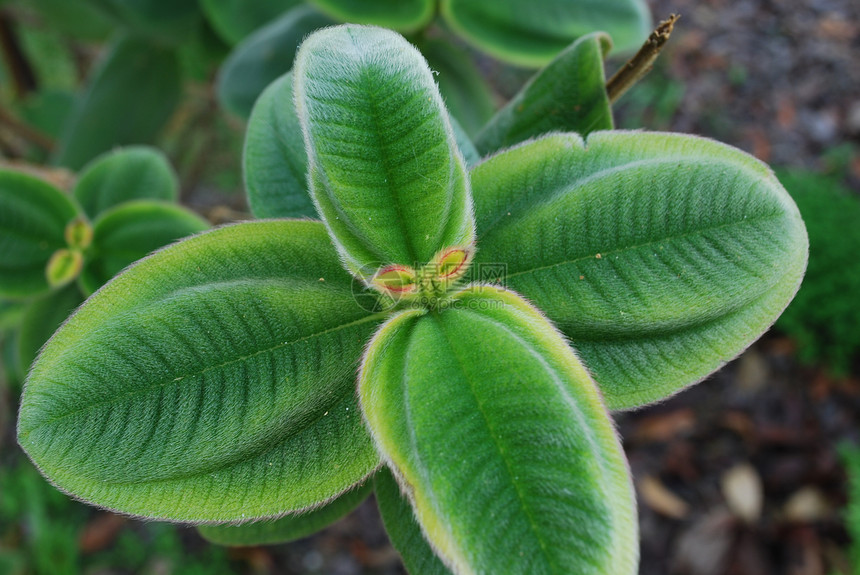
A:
(130, 95)
(660, 256)
(264, 56)
(42, 318)
(499, 438)
(532, 32)
(385, 171)
(132, 173)
(403, 529)
(235, 19)
(275, 164)
(466, 95)
(130, 231)
(32, 227)
(402, 15)
(211, 381)
(288, 528)
(568, 95)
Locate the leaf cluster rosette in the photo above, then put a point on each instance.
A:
(215, 381)
(59, 248)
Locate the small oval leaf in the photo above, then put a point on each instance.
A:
(213, 381)
(132, 173)
(290, 527)
(527, 33)
(385, 171)
(32, 228)
(661, 256)
(499, 438)
(264, 56)
(568, 95)
(132, 230)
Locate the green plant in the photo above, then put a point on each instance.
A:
(59, 249)
(214, 382)
(824, 318)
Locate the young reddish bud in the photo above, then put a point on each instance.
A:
(63, 267)
(452, 264)
(79, 234)
(395, 280)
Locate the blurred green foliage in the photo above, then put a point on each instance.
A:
(40, 530)
(824, 318)
(851, 459)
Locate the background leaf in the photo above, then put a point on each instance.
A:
(165, 21)
(530, 33)
(461, 83)
(288, 528)
(386, 175)
(132, 173)
(81, 20)
(402, 528)
(235, 19)
(41, 320)
(48, 110)
(274, 162)
(568, 95)
(264, 56)
(464, 143)
(129, 97)
(402, 15)
(212, 381)
(500, 440)
(32, 224)
(660, 256)
(130, 231)
(11, 312)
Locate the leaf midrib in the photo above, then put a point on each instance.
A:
(533, 202)
(453, 352)
(669, 238)
(119, 398)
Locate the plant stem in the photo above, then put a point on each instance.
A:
(26, 131)
(639, 65)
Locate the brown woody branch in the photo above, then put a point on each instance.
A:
(639, 65)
